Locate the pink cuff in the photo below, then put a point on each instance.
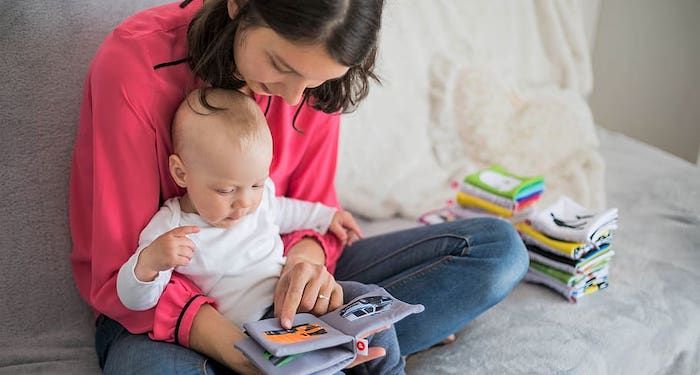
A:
(329, 243)
(176, 310)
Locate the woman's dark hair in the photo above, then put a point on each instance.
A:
(347, 28)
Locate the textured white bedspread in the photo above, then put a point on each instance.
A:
(646, 322)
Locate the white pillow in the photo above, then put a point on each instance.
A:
(397, 158)
(478, 120)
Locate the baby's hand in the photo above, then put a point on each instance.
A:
(345, 228)
(170, 250)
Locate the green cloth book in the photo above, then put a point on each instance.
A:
(570, 280)
(563, 277)
(499, 181)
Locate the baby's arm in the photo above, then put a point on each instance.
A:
(294, 214)
(142, 279)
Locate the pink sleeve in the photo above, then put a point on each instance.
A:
(313, 180)
(115, 190)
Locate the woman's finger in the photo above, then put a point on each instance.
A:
(324, 299)
(336, 299)
(311, 294)
(280, 293)
(293, 295)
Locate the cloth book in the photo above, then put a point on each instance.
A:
(568, 221)
(582, 266)
(499, 181)
(592, 284)
(572, 250)
(488, 196)
(576, 281)
(466, 200)
(325, 344)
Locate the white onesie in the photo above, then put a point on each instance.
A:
(238, 266)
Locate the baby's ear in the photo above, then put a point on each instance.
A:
(177, 170)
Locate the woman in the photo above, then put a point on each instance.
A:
(303, 62)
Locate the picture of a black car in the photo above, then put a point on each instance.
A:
(366, 306)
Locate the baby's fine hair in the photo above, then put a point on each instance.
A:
(238, 115)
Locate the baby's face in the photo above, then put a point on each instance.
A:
(225, 189)
(223, 157)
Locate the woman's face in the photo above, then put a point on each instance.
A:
(272, 65)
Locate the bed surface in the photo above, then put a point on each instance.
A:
(647, 321)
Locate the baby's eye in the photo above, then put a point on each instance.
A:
(225, 191)
(256, 187)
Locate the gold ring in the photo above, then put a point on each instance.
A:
(321, 296)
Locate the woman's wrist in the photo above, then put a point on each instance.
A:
(214, 336)
(307, 250)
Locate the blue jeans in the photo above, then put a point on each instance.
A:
(120, 352)
(457, 270)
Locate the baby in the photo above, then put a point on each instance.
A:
(224, 233)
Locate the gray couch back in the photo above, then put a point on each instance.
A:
(46, 48)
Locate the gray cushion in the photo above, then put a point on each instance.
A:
(46, 48)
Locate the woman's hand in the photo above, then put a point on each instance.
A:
(303, 278)
(305, 284)
(373, 352)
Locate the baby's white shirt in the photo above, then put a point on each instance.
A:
(237, 266)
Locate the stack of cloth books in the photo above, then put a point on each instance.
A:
(570, 247)
(493, 191)
(496, 191)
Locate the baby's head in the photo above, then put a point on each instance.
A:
(221, 157)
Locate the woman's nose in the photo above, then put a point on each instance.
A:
(294, 90)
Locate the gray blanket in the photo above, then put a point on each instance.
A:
(646, 322)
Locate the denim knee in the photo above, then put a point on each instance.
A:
(513, 260)
(500, 244)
